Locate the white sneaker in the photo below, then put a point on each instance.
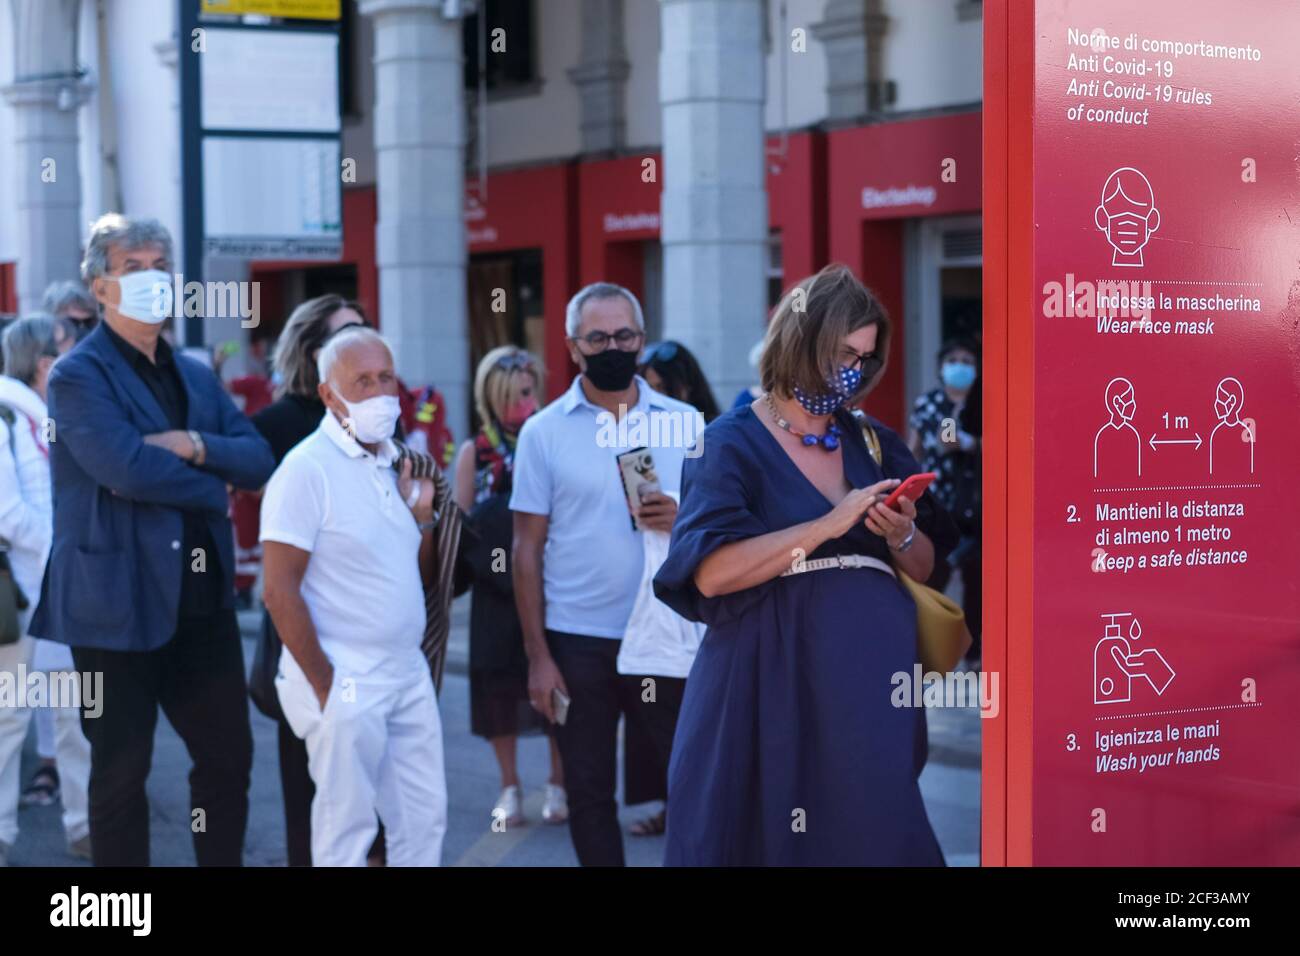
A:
(509, 807)
(555, 808)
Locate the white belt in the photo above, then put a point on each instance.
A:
(841, 561)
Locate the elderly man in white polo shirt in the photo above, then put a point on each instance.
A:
(577, 558)
(343, 535)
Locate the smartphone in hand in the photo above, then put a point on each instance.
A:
(912, 488)
(560, 701)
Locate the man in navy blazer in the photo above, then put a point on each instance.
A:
(140, 576)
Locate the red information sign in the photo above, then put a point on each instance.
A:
(1165, 597)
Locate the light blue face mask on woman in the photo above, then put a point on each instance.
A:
(959, 375)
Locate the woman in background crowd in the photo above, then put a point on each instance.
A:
(659, 644)
(507, 390)
(44, 788)
(288, 420)
(30, 349)
(944, 445)
(671, 369)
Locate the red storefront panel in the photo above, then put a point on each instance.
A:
(8, 287)
(534, 209)
(619, 210)
(359, 214)
(880, 175)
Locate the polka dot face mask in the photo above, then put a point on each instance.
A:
(840, 387)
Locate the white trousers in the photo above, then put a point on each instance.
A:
(71, 753)
(374, 749)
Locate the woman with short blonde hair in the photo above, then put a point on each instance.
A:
(507, 390)
(785, 547)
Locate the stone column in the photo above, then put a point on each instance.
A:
(46, 93)
(601, 76)
(714, 203)
(852, 32)
(419, 122)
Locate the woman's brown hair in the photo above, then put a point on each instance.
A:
(808, 328)
(305, 331)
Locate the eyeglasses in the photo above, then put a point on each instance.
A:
(869, 363)
(625, 339)
(660, 352)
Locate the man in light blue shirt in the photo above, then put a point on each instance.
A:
(577, 557)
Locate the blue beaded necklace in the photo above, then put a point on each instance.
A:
(828, 442)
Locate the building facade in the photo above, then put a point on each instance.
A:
(705, 153)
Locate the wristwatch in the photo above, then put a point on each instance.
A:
(907, 542)
(200, 449)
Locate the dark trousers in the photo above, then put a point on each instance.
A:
(588, 742)
(295, 782)
(648, 734)
(198, 680)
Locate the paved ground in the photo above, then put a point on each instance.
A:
(950, 785)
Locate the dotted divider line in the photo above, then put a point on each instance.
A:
(1181, 282)
(1170, 488)
(1183, 710)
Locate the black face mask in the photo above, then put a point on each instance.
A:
(611, 370)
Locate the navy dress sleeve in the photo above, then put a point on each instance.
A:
(931, 517)
(719, 491)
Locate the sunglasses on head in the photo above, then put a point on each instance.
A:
(660, 352)
(346, 325)
(515, 360)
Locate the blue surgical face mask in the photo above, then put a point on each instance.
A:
(959, 375)
(839, 387)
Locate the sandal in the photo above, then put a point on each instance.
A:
(43, 791)
(650, 826)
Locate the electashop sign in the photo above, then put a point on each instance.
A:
(1151, 269)
(922, 167)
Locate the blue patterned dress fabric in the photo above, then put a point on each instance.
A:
(788, 750)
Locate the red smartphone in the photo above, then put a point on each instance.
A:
(912, 488)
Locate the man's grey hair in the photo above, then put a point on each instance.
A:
(114, 229)
(24, 343)
(68, 294)
(340, 342)
(598, 290)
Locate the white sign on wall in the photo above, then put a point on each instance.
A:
(272, 198)
(270, 81)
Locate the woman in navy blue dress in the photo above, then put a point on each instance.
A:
(788, 750)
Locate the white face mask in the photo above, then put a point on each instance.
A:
(146, 295)
(374, 419)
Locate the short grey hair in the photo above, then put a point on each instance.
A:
(68, 294)
(114, 229)
(24, 343)
(340, 342)
(598, 290)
